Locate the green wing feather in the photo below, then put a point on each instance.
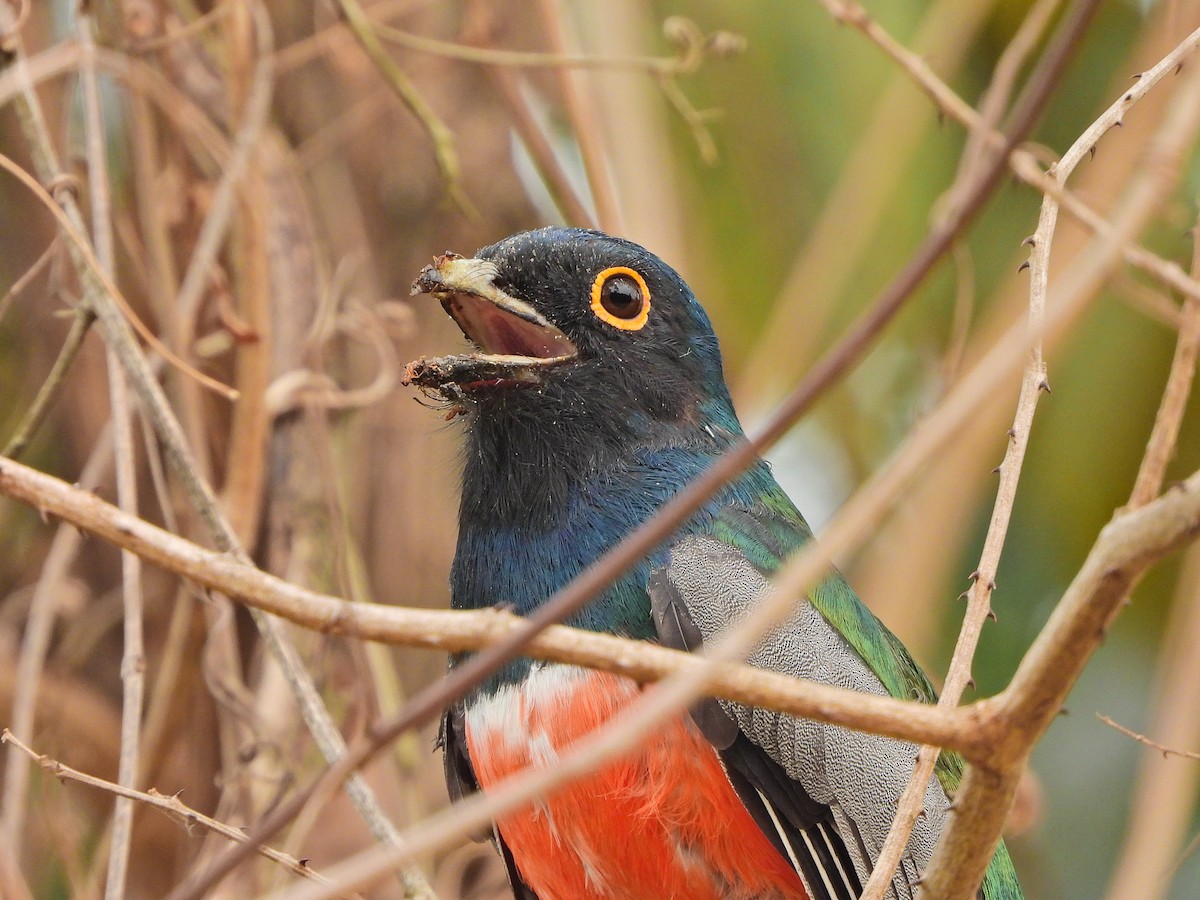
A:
(772, 530)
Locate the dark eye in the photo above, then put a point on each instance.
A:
(620, 297)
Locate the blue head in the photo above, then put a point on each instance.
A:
(589, 348)
(593, 392)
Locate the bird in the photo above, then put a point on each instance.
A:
(593, 391)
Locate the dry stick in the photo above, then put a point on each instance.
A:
(1077, 626)
(172, 806)
(1156, 746)
(983, 582)
(1162, 795)
(48, 393)
(459, 631)
(176, 106)
(583, 122)
(100, 294)
(1165, 434)
(999, 89)
(181, 110)
(133, 659)
(93, 274)
(39, 265)
(1024, 163)
(337, 37)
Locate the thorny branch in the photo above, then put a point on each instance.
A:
(171, 806)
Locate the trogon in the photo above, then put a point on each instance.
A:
(592, 393)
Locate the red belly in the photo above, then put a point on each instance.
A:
(661, 822)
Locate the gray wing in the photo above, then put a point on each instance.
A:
(824, 794)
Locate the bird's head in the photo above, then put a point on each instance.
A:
(576, 323)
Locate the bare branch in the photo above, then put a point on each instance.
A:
(172, 806)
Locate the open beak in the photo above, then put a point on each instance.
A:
(516, 343)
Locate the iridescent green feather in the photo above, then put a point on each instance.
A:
(779, 531)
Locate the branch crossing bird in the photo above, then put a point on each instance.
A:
(593, 393)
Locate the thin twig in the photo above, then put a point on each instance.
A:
(1163, 795)
(27, 277)
(1165, 434)
(1142, 739)
(685, 62)
(133, 657)
(98, 281)
(171, 805)
(1078, 624)
(48, 393)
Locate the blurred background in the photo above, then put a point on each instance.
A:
(788, 175)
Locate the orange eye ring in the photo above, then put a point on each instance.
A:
(620, 298)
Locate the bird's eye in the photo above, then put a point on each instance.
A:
(620, 298)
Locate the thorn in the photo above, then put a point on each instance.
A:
(974, 576)
(991, 614)
(964, 595)
(1125, 99)
(1030, 241)
(1063, 711)
(992, 585)
(1092, 152)
(302, 863)
(1022, 267)
(1135, 77)
(1044, 386)
(996, 471)
(1178, 68)
(1120, 123)
(971, 683)
(1012, 432)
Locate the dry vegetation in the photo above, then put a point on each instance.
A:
(209, 215)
